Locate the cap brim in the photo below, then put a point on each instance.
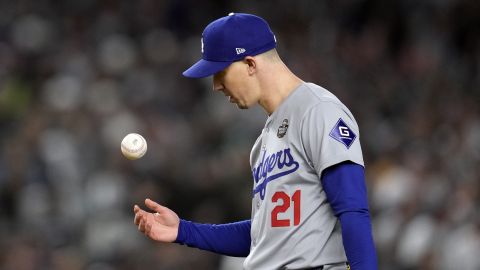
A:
(204, 68)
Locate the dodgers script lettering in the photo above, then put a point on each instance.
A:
(272, 167)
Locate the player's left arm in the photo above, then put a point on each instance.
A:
(344, 185)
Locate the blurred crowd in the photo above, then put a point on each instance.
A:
(77, 76)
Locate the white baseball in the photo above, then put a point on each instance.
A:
(133, 146)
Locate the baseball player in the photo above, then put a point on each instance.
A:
(309, 200)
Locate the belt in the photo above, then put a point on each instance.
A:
(335, 264)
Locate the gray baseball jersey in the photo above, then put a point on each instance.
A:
(293, 226)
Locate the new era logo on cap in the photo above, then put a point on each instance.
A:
(240, 50)
(230, 39)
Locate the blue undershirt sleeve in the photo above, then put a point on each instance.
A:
(344, 185)
(232, 239)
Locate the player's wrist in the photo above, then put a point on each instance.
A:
(182, 232)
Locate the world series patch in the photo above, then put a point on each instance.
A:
(342, 133)
(282, 130)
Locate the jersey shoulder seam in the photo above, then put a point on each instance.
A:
(321, 100)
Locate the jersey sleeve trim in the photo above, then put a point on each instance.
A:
(339, 159)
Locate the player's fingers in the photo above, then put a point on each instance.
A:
(137, 218)
(154, 206)
(148, 228)
(141, 225)
(136, 208)
(138, 215)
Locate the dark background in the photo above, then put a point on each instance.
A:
(77, 76)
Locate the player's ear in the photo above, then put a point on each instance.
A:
(251, 64)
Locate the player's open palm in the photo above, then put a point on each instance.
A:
(162, 225)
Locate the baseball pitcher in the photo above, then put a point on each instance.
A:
(309, 200)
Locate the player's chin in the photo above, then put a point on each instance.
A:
(242, 106)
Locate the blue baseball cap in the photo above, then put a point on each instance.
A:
(230, 39)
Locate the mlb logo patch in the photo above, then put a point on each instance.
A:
(342, 133)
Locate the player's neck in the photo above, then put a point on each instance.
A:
(276, 87)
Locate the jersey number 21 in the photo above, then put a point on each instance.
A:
(283, 205)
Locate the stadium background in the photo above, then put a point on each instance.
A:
(76, 76)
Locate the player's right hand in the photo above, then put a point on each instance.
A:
(162, 225)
